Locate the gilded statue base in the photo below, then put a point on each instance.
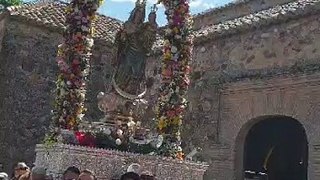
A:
(110, 164)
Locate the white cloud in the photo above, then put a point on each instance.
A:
(195, 3)
(201, 4)
(209, 5)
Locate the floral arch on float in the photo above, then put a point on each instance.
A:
(119, 139)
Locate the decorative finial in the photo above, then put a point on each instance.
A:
(141, 2)
(154, 8)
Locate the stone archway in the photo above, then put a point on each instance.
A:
(277, 142)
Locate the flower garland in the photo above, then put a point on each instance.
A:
(175, 75)
(73, 61)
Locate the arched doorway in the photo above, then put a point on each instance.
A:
(277, 147)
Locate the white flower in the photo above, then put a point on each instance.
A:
(61, 45)
(107, 131)
(131, 123)
(69, 83)
(81, 116)
(62, 91)
(118, 141)
(168, 31)
(100, 95)
(157, 142)
(119, 132)
(90, 42)
(174, 49)
(83, 95)
(84, 28)
(178, 36)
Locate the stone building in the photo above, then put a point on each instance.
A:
(255, 84)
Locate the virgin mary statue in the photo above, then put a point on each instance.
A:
(134, 42)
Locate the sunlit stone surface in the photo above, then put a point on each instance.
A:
(108, 164)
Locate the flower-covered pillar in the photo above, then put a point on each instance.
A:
(74, 62)
(175, 75)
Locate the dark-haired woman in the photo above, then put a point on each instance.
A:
(72, 173)
(130, 176)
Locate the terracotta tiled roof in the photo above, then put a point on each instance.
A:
(277, 14)
(274, 15)
(52, 15)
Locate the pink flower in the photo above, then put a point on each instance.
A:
(75, 61)
(167, 72)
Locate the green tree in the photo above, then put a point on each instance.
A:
(7, 3)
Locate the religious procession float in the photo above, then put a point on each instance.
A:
(119, 139)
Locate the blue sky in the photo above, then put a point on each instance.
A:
(120, 9)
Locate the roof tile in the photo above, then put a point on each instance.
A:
(52, 15)
(274, 15)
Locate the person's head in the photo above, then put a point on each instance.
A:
(20, 169)
(147, 176)
(38, 173)
(130, 176)
(72, 173)
(86, 175)
(134, 167)
(4, 176)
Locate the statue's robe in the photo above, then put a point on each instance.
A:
(132, 52)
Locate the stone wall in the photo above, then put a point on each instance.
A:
(109, 164)
(29, 70)
(316, 157)
(2, 28)
(27, 89)
(289, 49)
(272, 48)
(244, 102)
(231, 11)
(259, 59)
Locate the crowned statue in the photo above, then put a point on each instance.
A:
(133, 44)
(124, 105)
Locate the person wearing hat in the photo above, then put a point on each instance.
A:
(20, 169)
(134, 167)
(4, 176)
(133, 172)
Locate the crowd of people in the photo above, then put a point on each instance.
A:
(23, 172)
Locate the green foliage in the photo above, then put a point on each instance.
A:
(7, 3)
(49, 141)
